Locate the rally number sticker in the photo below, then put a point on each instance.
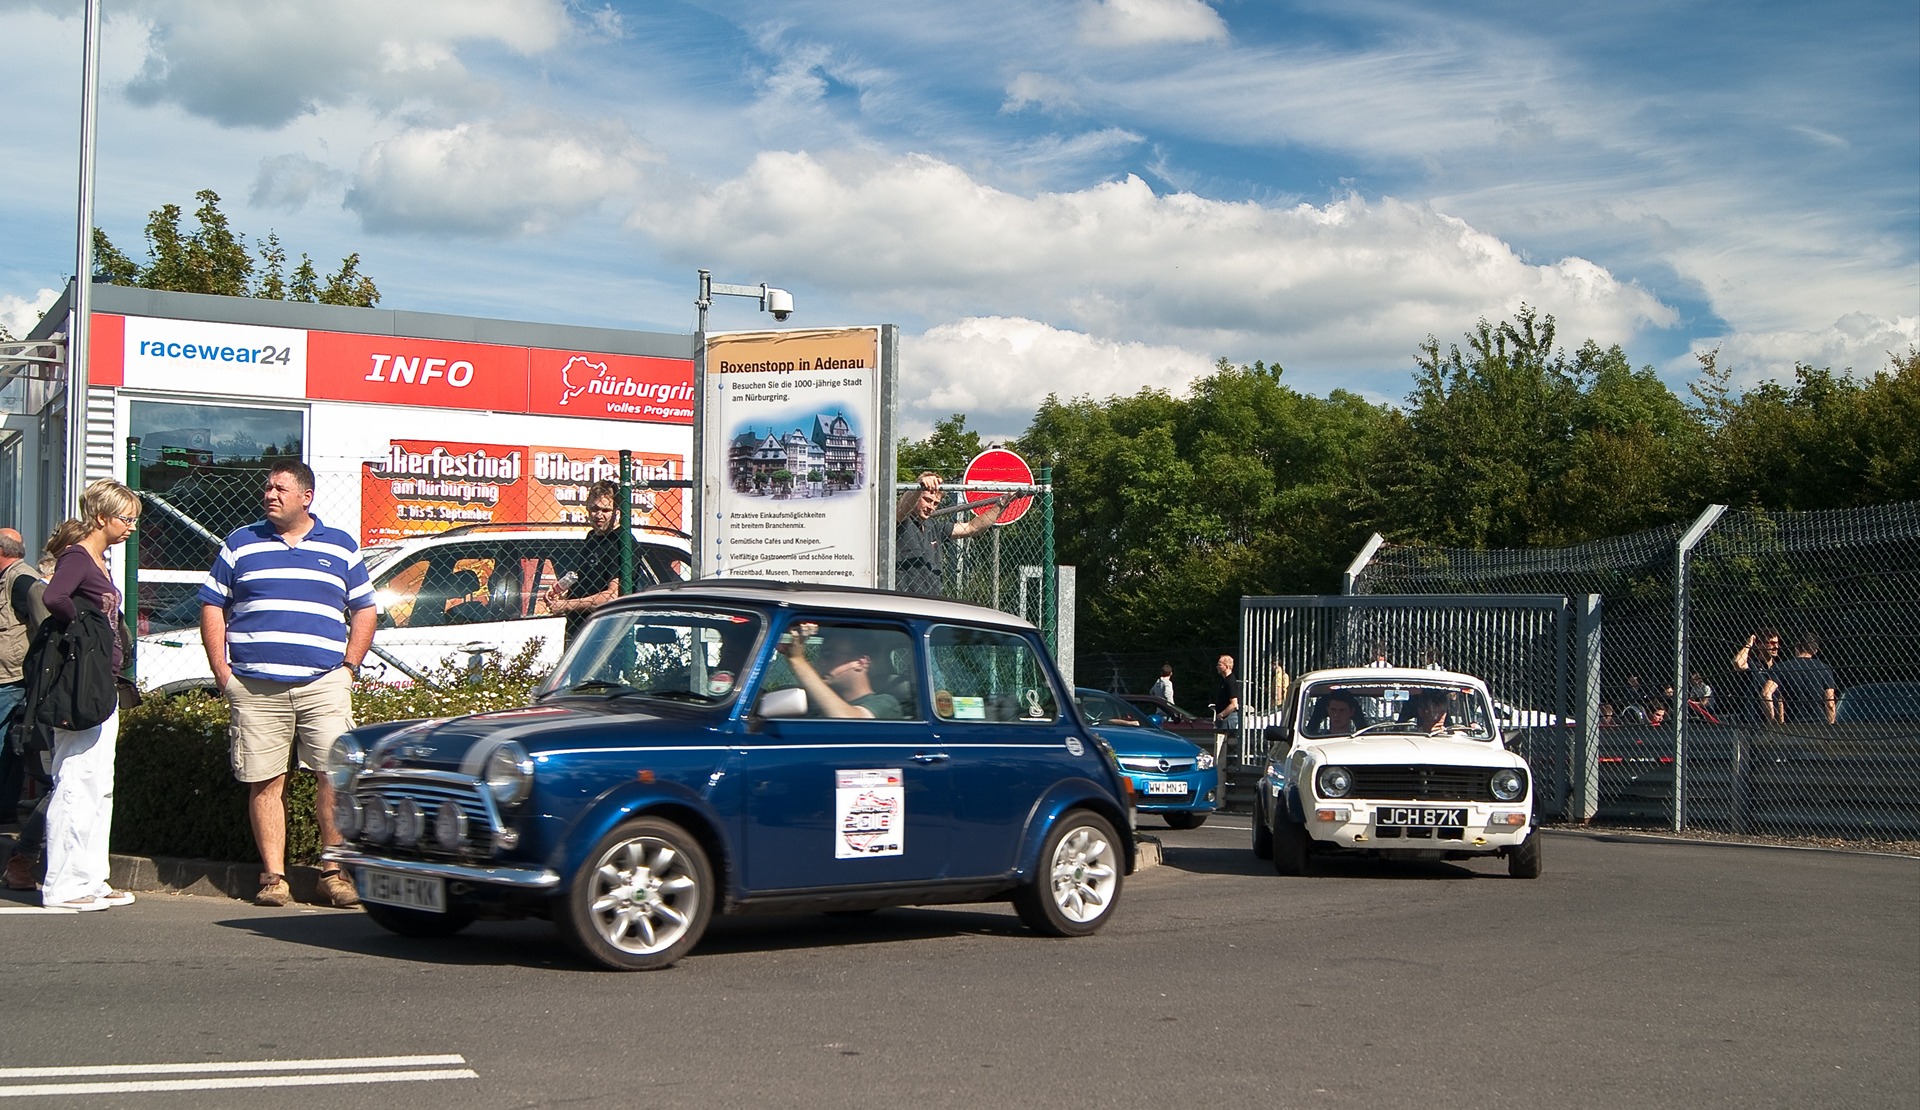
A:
(870, 812)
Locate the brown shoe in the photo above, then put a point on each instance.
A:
(20, 873)
(338, 890)
(274, 890)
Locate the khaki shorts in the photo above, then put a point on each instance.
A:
(268, 717)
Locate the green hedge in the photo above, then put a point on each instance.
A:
(174, 791)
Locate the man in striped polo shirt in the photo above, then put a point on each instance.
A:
(287, 616)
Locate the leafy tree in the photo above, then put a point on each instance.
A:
(214, 259)
(946, 451)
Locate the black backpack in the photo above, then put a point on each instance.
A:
(69, 671)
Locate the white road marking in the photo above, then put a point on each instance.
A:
(397, 1073)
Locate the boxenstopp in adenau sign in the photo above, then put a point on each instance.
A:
(790, 442)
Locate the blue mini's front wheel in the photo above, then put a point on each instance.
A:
(641, 899)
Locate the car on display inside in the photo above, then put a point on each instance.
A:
(1163, 714)
(733, 746)
(455, 597)
(1172, 778)
(1397, 763)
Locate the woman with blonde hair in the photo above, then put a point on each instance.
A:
(80, 810)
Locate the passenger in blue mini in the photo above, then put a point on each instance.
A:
(840, 682)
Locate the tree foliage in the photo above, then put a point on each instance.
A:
(213, 258)
(1174, 507)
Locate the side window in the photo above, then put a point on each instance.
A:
(862, 665)
(983, 675)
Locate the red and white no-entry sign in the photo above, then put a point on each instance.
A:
(1000, 468)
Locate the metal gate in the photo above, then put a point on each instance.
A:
(1538, 653)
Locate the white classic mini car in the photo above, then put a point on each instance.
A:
(1395, 762)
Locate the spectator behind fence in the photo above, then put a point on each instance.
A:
(286, 615)
(596, 564)
(81, 595)
(1802, 689)
(17, 577)
(1226, 697)
(1698, 692)
(1753, 665)
(918, 534)
(1163, 686)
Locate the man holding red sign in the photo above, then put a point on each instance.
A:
(918, 532)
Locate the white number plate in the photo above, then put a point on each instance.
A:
(414, 892)
(1166, 788)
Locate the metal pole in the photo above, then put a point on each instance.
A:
(697, 469)
(1049, 599)
(130, 597)
(1681, 550)
(626, 521)
(80, 336)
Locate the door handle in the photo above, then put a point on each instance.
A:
(931, 757)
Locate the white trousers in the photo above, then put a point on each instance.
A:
(80, 812)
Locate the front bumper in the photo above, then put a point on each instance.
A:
(1361, 823)
(1202, 796)
(534, 880)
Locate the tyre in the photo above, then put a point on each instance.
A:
(1290, 847)
(1185, 820)
(641, 899)
(1262, 833)
(418, 923)
(1523, 859)
(1077, 884)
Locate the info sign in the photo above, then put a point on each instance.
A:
(995, 471)
(793, 430)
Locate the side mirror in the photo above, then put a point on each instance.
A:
(1281, 735)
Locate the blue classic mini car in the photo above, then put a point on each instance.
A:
(734, 746)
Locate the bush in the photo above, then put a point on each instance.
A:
(174, 791)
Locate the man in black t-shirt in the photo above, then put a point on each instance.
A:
(1802, 688)
(596, 566)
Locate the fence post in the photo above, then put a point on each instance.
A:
(1049, 602)
(1681, 550)
(626, 521)
(1586, 679)
(130, 598)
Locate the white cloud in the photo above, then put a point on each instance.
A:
(262, 63)
(522, 176)
(1858, 341)
(288, 181)
(997, 370)
(1351, 284)
(1149, 22)
(19, 314)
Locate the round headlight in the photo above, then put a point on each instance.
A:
(346, 814)
(1509, 784)
(509, 773)
(450, 827)
(345, 761)
(409, 823)
(376, 822)
(1334, 782)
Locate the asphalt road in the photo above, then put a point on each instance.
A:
(1632, 974)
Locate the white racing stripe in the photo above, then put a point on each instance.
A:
(318, 1073)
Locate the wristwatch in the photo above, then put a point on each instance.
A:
(352, 668)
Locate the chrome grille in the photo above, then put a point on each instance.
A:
(1154, 765)
(429, 790)
(1424, 784)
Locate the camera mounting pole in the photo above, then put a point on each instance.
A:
(777, 301)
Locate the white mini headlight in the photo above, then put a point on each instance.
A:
(1334, 782)
(509, 773)
(1508, 784)
(345, 760)
(1205, 761)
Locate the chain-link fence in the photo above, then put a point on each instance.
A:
(459, 577)
(1760, 671)
(1009, 567)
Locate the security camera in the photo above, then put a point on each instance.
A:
(780, 303)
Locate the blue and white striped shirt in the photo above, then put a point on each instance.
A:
(287, 605)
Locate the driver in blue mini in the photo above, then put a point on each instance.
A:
(840, 683)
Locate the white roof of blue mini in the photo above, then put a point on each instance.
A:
(858, 600)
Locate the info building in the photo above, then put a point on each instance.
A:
(413, 422)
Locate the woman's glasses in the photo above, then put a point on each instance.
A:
(129, 521)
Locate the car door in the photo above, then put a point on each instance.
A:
(845, 802)
(462, 604)
(997, 712)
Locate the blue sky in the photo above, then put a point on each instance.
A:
(1066, 196)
